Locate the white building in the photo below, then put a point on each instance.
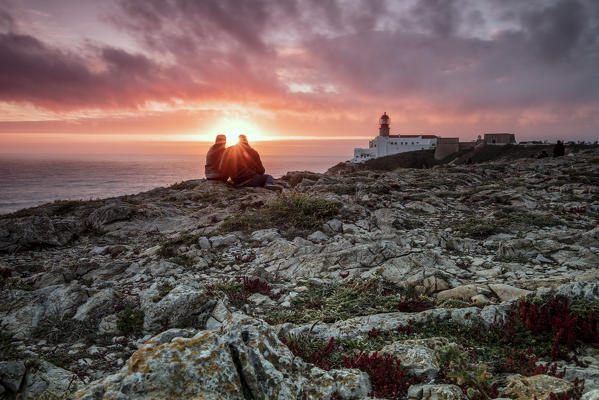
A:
(385, 144)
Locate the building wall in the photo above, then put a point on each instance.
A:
(500, 138)
(467, 145)
(446, 147)
(382, 146)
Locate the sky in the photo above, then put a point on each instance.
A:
(161, 75)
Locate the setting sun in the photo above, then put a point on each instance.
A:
(233, 127)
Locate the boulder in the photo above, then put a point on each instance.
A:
(47, 378)
(592, 395)
(421, 206)
(418, 355)
(264, 236)
(242, 359)
(525, 388)
(25, 309)
(11, 374)
(38, 231)
(96, 306)
(318, 237)
(435, 392)
(507, 292)
(109, 213)
(464, 292)
(186, 305)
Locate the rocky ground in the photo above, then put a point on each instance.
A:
(454, 282)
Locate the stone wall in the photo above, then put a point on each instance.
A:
(446, 147)
(500, 138)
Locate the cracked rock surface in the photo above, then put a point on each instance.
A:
(119, 292)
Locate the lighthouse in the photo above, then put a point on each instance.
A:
(384, 125)
(386, 144)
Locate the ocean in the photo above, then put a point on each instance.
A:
(27, 181)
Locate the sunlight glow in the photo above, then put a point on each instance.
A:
(233, 127)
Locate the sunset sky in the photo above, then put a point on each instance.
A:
(155, 75)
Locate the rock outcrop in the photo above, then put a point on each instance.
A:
(242, 359)
(275, 295)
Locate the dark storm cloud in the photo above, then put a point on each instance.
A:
(451, 54)
(33, 71)
(6, 19)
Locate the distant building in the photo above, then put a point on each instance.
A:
(386, 144)
(448, 146)
(499, 138)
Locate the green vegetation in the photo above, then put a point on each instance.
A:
(505, 220)
(14, 284)
(163, 290)
(294, 214)
(130, 320)
(480, 228)
(170, 247)
(518, 258)
(182, 260)
(59, 328)
(548, 328)
(463, 372)
(183, 185)
(334, 302)
(7, 350)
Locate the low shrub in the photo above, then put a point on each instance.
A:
(480, 228)
(59, 327)
(389, 379)
(294, 214)
(130, 320)
(334, 302)
(183, 185)
(239, 290)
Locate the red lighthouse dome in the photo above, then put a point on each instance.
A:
(384, 125)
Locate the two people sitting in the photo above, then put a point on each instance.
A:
(239, 162)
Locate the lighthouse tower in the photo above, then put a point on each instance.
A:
(384, 125)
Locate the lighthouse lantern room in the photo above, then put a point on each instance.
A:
(384, 125)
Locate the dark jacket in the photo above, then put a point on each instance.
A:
(213, 159)
(559, 149)
(240, 162)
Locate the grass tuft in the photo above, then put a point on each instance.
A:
(294, 214)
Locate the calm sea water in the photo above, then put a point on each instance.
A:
(27, 181)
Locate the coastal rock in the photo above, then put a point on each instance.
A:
(45, 377)
(243, 358)
(524, 388)
(97, 305)
(25, 309)
(435, 392)
(507, 292)
(418, 355)
(37, 231)
(109, 213)
(11, 374)
(186, 305)
(591, 395)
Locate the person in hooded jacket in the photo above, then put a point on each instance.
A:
(243, 165)
(213, 158)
